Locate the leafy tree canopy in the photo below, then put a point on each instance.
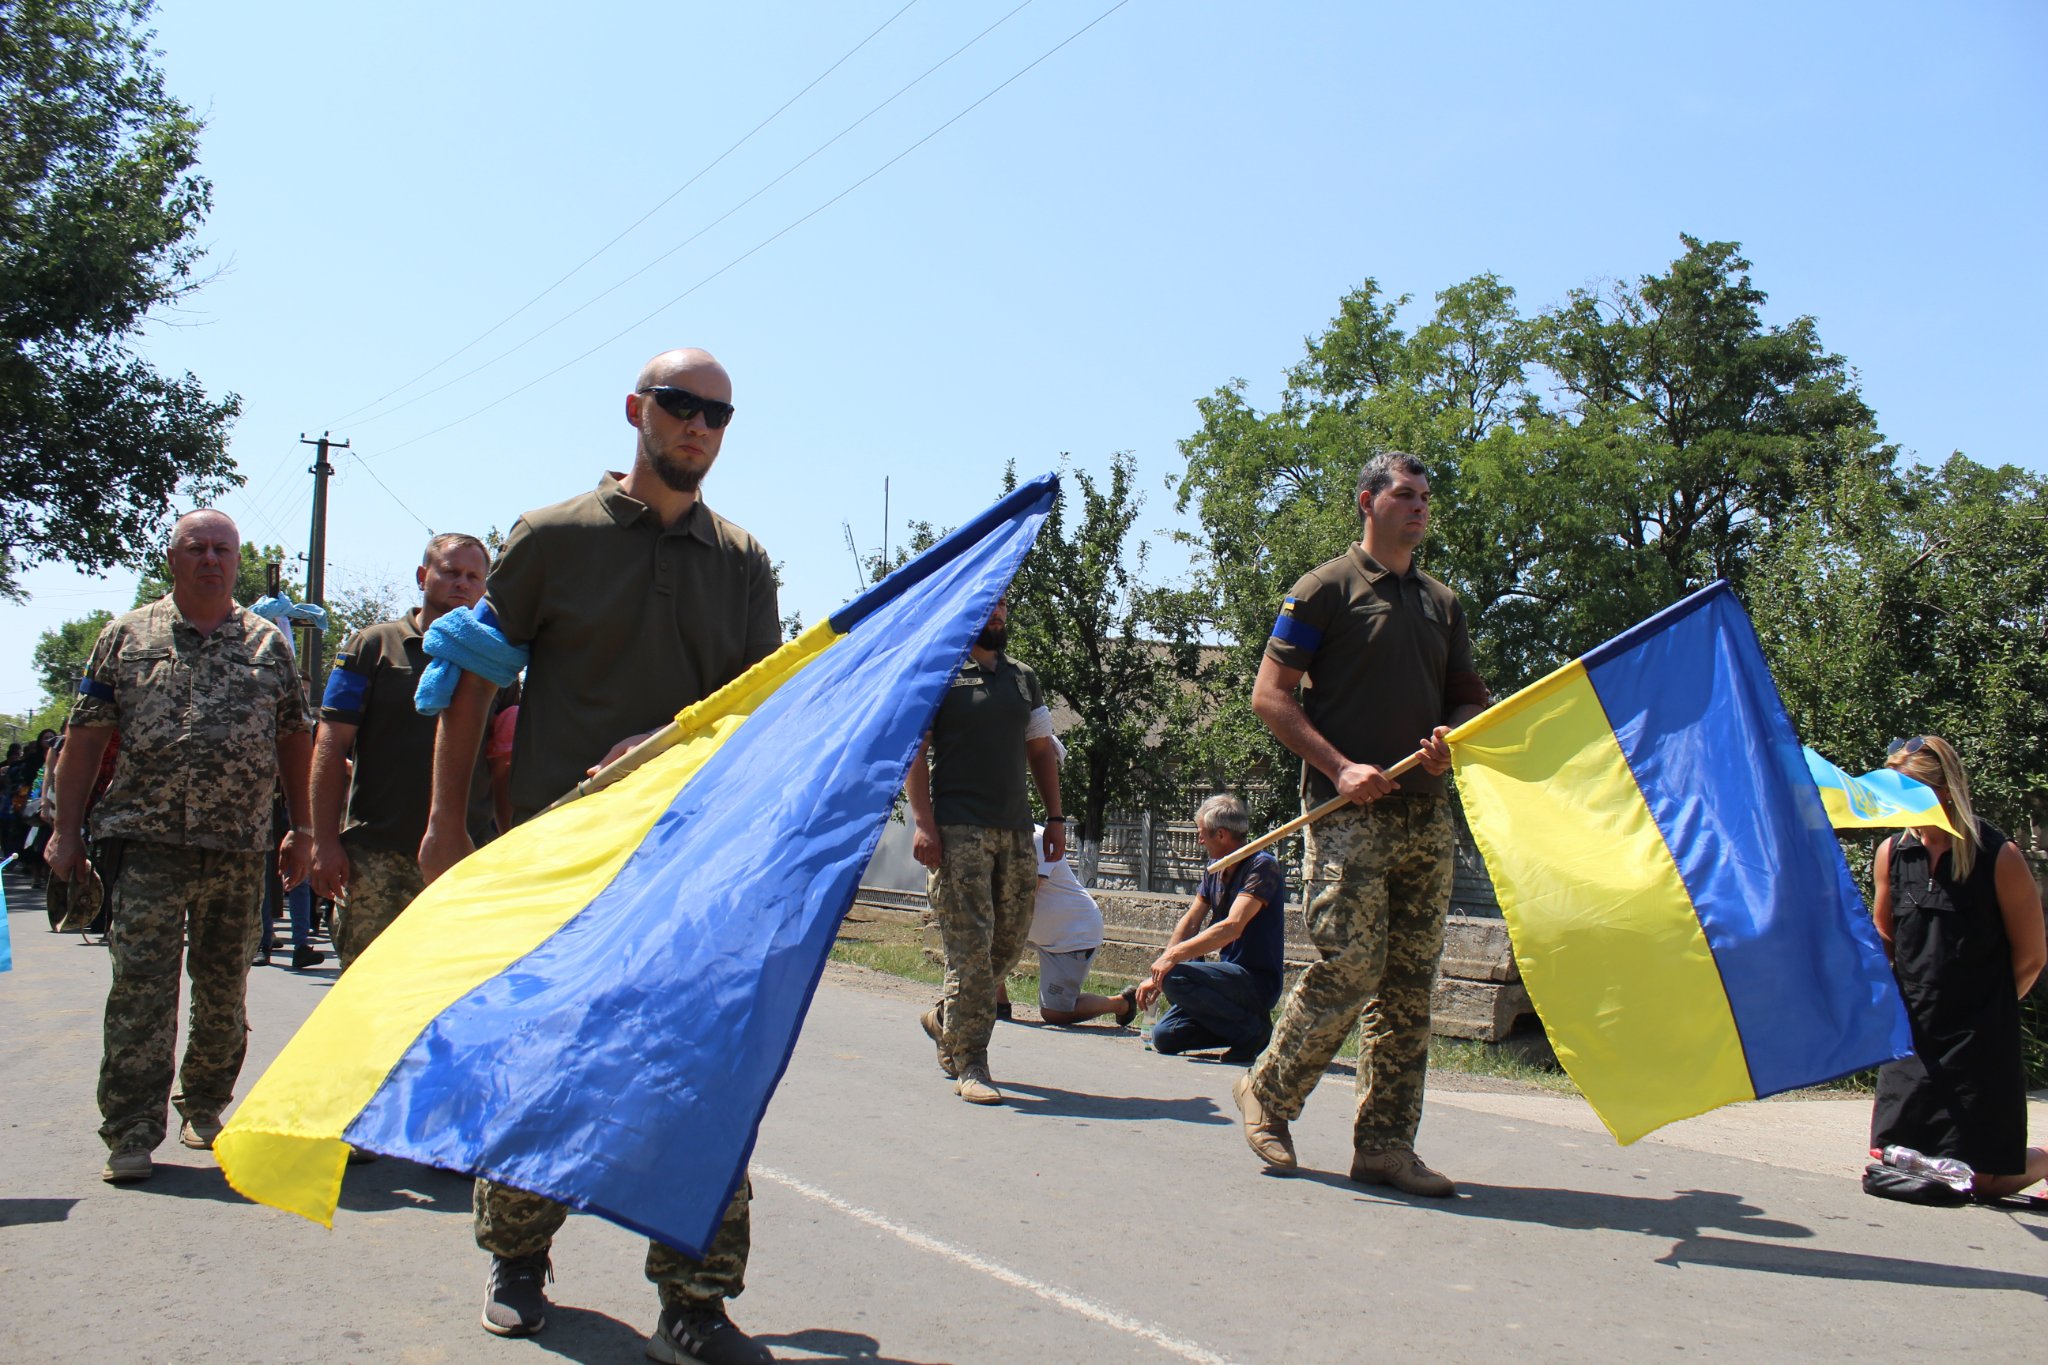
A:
(99, 200)
(1591, 463)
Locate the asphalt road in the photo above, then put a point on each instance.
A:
(1111, 1212)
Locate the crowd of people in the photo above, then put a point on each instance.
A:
(614, 609)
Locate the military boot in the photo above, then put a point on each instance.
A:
(935, 1029)
(1405, 1171)
(974, 1086)
(126, 1165)
(199, 1131)
(1267, 1136)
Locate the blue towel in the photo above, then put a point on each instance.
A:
(279, 609)
(466, 640)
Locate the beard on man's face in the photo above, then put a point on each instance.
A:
(674, 472)
(993, 637)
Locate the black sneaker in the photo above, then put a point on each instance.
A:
(1004, 1012)
(515, 1302)
(303, 958)
(702, 1331)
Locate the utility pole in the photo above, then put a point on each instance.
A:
(316, 554)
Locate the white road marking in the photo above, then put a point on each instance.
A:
(1067, 1299)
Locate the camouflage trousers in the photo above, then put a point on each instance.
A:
(510, 1222)
(981, 894)
(170, 901)
(1378, 923)
(381, 883)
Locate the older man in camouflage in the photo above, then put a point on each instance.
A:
(1387, 661)
(205, 698)
(971, 818)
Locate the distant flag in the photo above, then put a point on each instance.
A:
(6, 940)
(1885, 799)
(597, 1006)
(1679, 906)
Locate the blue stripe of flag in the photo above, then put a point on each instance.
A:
(623, 1066)
(1698, 717)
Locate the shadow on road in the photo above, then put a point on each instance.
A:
(827, 1344)
(391, 1183)
(589, 1337)
(15, 1213)
(1048, 1102)
(1681, 1217)
(1730, 1254)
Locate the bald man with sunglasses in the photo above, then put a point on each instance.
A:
(636, 600)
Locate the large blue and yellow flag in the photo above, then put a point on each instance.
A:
(1680, 909)
(597, 1006)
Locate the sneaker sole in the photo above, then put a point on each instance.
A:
(519, 1330)
(125, 1177)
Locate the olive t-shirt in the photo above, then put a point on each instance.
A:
(978, 768)
(1383, 654)
(391, 787)
(628, 623)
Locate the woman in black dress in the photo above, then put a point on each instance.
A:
(1961, 918)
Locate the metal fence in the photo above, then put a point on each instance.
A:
(1142, 852)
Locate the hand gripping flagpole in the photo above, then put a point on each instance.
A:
(1272, 837)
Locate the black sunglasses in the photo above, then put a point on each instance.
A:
(682, 405)
(1905, 746)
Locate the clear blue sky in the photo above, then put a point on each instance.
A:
(1177, 197)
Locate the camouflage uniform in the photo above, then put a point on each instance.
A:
(512, 1223)
(210, 904)
(1379, 924)
(199, 718)
(982, 895)
(381, 883)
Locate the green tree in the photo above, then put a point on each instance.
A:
(1275, 491)
(1082, 617)
(99, 201)
(1916, 602)
(1676, 431)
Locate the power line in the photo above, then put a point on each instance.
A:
(628, 229)
(788, 171)
(768, 241)
(364, 465)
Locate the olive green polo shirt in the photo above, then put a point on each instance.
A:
(628, 624)
(1382, 653)
(199, 718)
(391, 782)
(978, 767)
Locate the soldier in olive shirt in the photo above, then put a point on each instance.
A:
(205, 698)
(972, 818)
(636, 600)
(371, 868)
(1380, 652)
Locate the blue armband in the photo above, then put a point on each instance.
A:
(1290, 630)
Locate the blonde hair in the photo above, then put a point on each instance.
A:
(1936, 764)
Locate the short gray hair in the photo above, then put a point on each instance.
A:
(1224, 812)
(1379, 471)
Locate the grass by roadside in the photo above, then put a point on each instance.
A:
(898, 950)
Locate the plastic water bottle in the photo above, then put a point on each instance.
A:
(1154, 1012)
(1946, 1169)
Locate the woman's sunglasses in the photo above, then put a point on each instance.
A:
(1905, 746)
